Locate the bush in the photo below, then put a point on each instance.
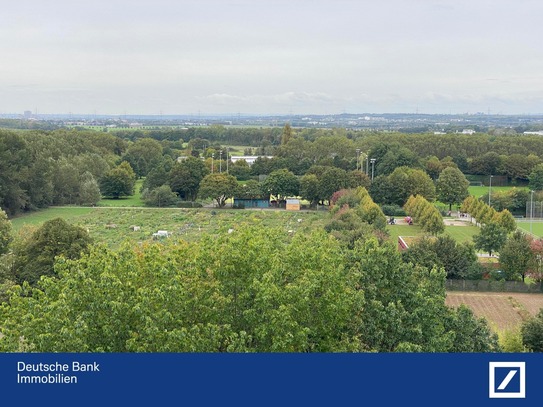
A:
(189, 204)
(393, 210)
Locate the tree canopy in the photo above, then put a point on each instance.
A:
(252, 290)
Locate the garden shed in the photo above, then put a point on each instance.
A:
(293, 205)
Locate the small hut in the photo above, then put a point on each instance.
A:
(293, 205)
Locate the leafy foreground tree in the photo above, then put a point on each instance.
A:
(252, 290)
(35, 256)
(532, 332)
(5, 232)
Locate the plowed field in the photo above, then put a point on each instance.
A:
(502, 310)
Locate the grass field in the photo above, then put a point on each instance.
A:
(480, 191)
(459, 233)
(501, 310)
(38, 217)
(535, 227)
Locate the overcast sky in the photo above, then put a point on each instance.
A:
(271, 56)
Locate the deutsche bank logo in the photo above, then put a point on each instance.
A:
(507, 380)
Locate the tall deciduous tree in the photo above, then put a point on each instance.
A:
(309, 188)
(516, 256)
(35, 257)
(5, 232)
(281, 184)
(452, 186)
(218, 186)
(143, 155)
(89, 191)
(118, 182)
(185, 177)
(332, 180)
(490, 238)
(536, 178)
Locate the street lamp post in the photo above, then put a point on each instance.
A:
(212, 158)
(227, 148)
(358, 158)
(490, 188)
(367, 163)
(372, 167)
(220, 160)
(531, 208)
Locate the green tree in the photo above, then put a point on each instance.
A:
(405, 307)
(358, 179)
(225, 293)
(506, 220)
(118, 182)
(160, 197)
(89, 190)
(452, 186)
(309, 188)
(241, 170)
(218, 186)
(536, 178)
(14, 158)
(281, 184)
(287, 134)
(251, 189)
(157, 177)
(405, 181)
(516, 256)
(186, 176)
(490, 238)
(332, 180)
(486, 164)
(532, 332)
(143, 155)
(35, 256)
(432, 221)
(5, 232)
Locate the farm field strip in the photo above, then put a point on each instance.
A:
(502, 310)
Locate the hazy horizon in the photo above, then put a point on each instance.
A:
(271, 57)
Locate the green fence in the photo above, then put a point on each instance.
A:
(492, 286)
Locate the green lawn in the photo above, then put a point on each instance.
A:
(459, 233)
(38, 217)
(480, 191)
(535, 227)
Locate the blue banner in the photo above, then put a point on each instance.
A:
(271, 379)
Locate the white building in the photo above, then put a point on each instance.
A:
(250, 159)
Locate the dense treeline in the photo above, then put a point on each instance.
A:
(42, 168)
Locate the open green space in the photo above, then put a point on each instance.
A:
(113, 225)
(480, 191)
(38, 217)
(535, 227)
(459, 233)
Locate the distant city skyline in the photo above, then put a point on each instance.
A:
(121, 57)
